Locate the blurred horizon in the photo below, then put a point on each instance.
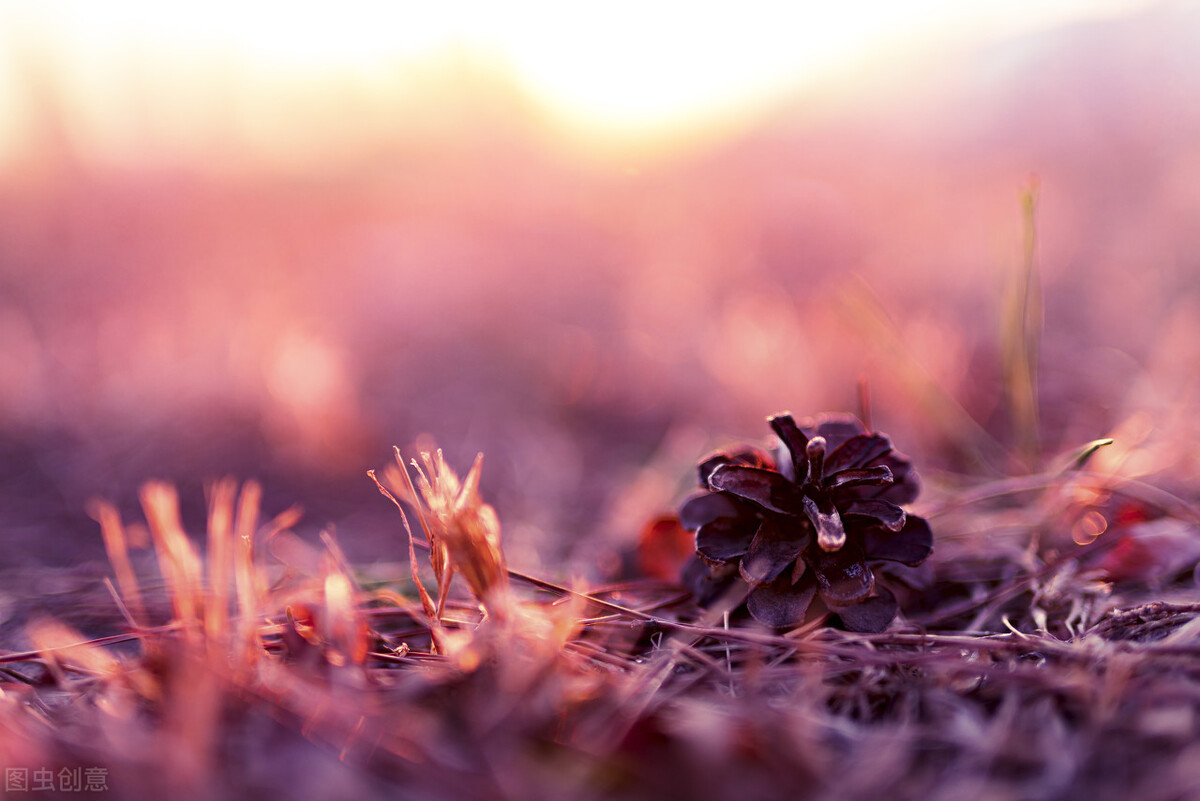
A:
(213, 262)
(119, 78)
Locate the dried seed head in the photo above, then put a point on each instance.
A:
(464, 528)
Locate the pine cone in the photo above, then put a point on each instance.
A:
(806, 522)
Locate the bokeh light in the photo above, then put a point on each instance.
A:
(274, 239)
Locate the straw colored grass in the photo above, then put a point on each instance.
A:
(1030, 663)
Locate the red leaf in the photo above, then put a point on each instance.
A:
(663, 548)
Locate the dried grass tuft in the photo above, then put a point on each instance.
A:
(463, 531)
(1039, 656)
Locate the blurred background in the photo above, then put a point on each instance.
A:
(591, 240)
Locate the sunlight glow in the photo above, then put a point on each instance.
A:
(619, 65)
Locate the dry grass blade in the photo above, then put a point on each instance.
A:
(463, 531)
(64, 647)
(867, 314)
(1021, 336)
(116, 545)
(1080, 459)
(221, 497)
(177, 558)
(402, 483)
(431, 609)
(248, 582)
(628, 691)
